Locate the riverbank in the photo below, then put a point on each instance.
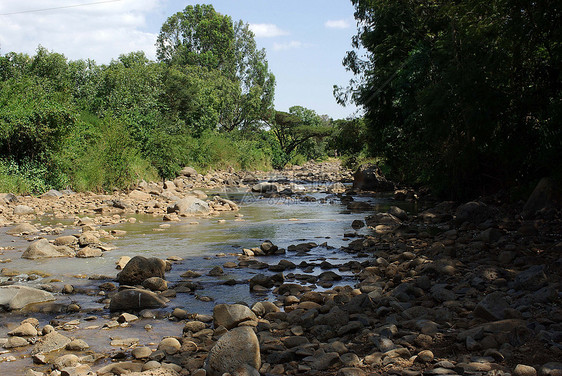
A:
(451, 289)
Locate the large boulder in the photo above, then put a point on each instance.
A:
(237, 350)
(17, 297)
(189, 205)
(53, 341)
(140, 268)
(265, 187)
(136, 299)
(369, 178)
(43, 249)
(545, 195)
(230, 315)
(23, 228)
(474, 212)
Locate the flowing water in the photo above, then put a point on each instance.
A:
(202, 243)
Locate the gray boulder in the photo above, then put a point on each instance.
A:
(265, 187)
(369, 178)
(237, 350)
(136, 299)
(230, 315)
(43, 249)
(140, 268)
(17, 297)
(189, 205)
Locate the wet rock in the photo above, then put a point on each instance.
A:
(492, 307)
(51, 342)
(369, 178)
(135, 299)
(127, 317)
(357, 224)
(23, 228)
(215, 272)
(14, 342)
(238, 347)
(194, 326)
(189, 206)
(155, 284)
(169, 345)
(265, 187)
(17, 297)
(77, 345)
(142, 352)
(268, 248)
(43, 249)
(64, 361)
(398, 213)
(24, 330)
(231, 315)
(89, 252)
(140, 268)
(523, 370)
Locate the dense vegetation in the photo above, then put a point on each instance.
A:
(206, 102)
(464, 96)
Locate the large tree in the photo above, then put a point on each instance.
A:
(463, 95)
(200, 36)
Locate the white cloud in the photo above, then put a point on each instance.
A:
(337, 24)
(287, 46)
(99, 31)
(267, 30)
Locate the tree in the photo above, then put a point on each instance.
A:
(463, 95)
(294, 128)
(199, 36)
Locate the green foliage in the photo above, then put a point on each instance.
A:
(465, 95)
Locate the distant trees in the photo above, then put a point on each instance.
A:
(466, 95)
(243, 85)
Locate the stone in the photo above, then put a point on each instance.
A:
(66, 240)
(89, 252)
(23, 228)
(142, 352)
(524, 370)
(215, 271)
(136, 299)
(137, 195)
(238, 347)
(155, 284)
(425, 356)
(188, 172)
(122, 262)
(325, 361)
(530, 279)
(51, 342)
(492, 307)
(194, 326)
(140, 268)
(88, 238)
(24, 330)
(265, 187)
(64, 361)
(551, 369)
(231, 315)
(17, 297)
(14, 342)
(369, 178)
(474, 212)
(43, 249)
(544, 195)
(77, 345)
(350, 371)
(188, 206)
(79, 370)
(169, 345)
(126, 317)
(23, 210)
(398, 213)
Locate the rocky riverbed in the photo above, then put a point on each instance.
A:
(443, 289)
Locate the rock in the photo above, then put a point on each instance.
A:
(53, 193)
(551, 368)
(523, 370)
(43, 249)
(194, 326)
(137, 195)
(127, 317)
(66, 240)
(261, 280)
(64, 361)
(77, 345)
(357, 224)
(188, 171)
(14, 342)
(325, 361)
(23, 228)
(122, 262)
(24, 330)
(51, 342)
(369, 178)
(425, 356)
(155, 284)
(265, 187)
(180, 314)
(215, 271)
(530, 279)
(17, 297)
(189, 205)
(398, 213)
(141, 352)
(268, 248)
(238, 347)
(231, 315)
(140, 268)
(545, 195)
(89, 252)
(492, 307)
(169, 345)
(135, 299)
(23, 210)
(474, 212)
(79, 370)
(350, 371)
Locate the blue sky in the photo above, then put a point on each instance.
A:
(305, 40)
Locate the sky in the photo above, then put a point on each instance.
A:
(305, 41)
